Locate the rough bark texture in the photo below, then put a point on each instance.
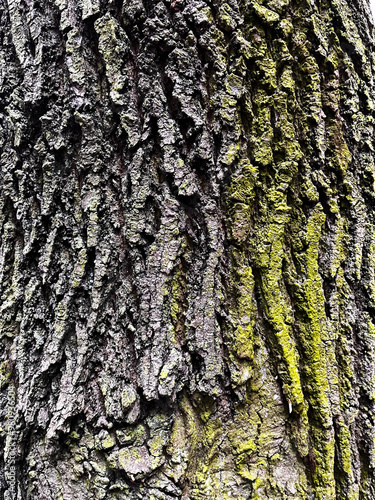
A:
(187, 263)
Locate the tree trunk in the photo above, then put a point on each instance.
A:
(187, 262)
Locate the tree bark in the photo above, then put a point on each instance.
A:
(187, 260)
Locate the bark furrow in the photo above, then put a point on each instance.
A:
(187, 249)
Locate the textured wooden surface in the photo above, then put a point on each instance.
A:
(187, 260)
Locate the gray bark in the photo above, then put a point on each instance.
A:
(187, 249)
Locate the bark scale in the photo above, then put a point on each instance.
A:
(187, 260)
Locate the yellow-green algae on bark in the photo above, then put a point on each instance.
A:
(261, 226)
(187, 250)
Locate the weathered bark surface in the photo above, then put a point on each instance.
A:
(187, 263)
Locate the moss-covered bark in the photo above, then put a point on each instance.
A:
(187, 260)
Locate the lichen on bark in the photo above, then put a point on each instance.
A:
(187, 249)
